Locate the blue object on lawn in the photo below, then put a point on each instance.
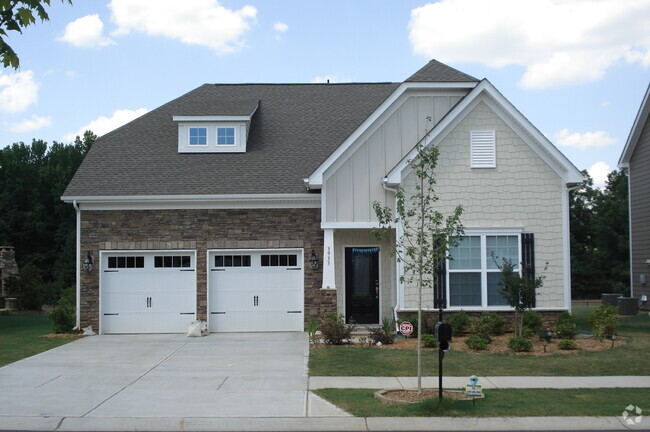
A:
(584, 334)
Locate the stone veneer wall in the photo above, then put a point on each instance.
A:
(8, 266)
(201, 230)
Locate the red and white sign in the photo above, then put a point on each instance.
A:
(406, 328)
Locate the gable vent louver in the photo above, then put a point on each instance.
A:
(483, 149)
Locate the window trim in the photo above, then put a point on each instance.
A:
(483, 234)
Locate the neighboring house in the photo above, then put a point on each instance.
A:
(215, 205)
(636, 158)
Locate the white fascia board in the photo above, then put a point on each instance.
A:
(161, 202)
(315, 180)
(511, 116)
(635, 132)
(212, 118)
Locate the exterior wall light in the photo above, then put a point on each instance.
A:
(88, 263)
(313, 261)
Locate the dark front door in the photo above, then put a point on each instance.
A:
(362, 285)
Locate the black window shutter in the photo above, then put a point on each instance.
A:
(439, 285)
(528, 255)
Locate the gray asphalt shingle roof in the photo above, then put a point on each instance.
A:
(295, 128)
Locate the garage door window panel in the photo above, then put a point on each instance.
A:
(121, 262)
(221, 261)
(172, 261)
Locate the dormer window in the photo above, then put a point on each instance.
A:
(198, 136)
(225, 133)
(226, 136)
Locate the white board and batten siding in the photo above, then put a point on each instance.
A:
(256, 290)
(355, 183)
(147, 291)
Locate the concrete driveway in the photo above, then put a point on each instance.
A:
(164, 376)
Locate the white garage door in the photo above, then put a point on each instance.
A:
(255, 291)
(147, 292)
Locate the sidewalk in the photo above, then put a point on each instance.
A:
(557, 382)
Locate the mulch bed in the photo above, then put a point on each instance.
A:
(499, 345)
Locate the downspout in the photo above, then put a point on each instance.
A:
(397, 278)
(78, 266)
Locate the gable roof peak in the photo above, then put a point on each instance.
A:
(434, 71)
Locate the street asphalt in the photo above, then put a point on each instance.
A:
(254, 381)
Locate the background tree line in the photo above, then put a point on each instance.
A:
(34, 220)
(600, 251)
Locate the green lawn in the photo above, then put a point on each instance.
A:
(498, 403)
(20, 337)
(630, 359)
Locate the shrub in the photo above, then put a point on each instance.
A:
(532, 321)
(476, 342)
(565, 326)
(312, 328)
(388, 325)
(27, 285)
(528, 333)
(492, 324)
(429, 341)
(603, 321)
(378, 334)
(520, 344)
(459, 322)
(63, 317)
(334, 329)
(566, 344)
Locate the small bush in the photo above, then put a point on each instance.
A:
(532, 321)
(476, 342)
(520, 344)
(459, 322)
(528, 333)
(491, 324)
(378, 334)
(603, 321)
(334, 329)
(565, 326)
(566, 344)
(429, 340)
(312, 328)
(63, 317)
(388, 325)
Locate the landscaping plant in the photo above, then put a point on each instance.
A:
(603, 321)
(429, 340)
(477, 342)
(63, 317)
(334, 330)
(492, 324)
(426, 233)
(566, 344)
(378, 334)
(565, 326)
(532, 321)
(312, 329)
(459, 322)
(520, 344)
(518, 290)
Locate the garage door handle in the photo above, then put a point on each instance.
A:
(187, 269)
(111, 271)
(217, 313)
(217, 269)
(111, 314)
(294, 268)
(294, 311)
(187, 313)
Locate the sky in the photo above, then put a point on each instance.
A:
(577, 69)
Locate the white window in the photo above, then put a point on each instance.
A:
(473, 273)
(198, 136)
(226, 136)
(483, 149)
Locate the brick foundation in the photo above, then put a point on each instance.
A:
(201, 230)
(548, 317)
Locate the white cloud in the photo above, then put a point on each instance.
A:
(280, 27)
(86, 32)
(335, 78)
(32, 124)
(559, 42)
(583, 141)
(604, 104)
(598, 172)
(203, 22)
(103, 125)
(17, 91)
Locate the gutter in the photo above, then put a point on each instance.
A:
(78, 266)
(398, 285)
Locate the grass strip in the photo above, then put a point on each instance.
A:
(21, 337)
(498, 403)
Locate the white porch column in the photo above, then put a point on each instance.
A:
(329, 274)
